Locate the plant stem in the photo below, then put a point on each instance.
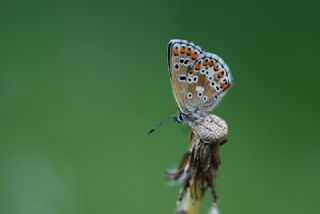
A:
(192, 207)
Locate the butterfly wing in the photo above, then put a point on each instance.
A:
(211, 79)
(199, 79)
(181, 56)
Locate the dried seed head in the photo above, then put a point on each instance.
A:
(211, 129)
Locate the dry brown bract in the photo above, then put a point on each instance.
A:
(198, 167)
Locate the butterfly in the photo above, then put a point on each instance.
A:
(199, 80)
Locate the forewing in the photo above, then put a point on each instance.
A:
(181, 56)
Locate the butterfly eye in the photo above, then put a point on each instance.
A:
(199, 94)
(181, 60)
(176, 66)
(210, 78)
(202, 71)
(189, 95)
(212, 84)
(205, 98)
(215, 97)
(180, 117)
(189, 80)
(186, 61)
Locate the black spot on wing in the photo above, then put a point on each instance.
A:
(182, 78)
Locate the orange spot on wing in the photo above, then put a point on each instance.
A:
(220, 74)
(175, 52)
(197, 67)
(206, 62)
(191, 71)
(189, 52)
(216, 68)
(211, 63)
(224, 86)
(194, 56)
(182, 50)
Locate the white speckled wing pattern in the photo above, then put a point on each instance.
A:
(199, 79)
(181, 56)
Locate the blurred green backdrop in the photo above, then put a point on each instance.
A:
(82, 81)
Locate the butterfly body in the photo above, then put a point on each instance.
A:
(199, 80)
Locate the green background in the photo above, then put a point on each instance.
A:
(82, 81)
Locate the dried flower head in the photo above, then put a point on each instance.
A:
(198, 167)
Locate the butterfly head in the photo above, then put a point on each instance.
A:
(179, 117)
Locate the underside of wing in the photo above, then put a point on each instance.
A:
(208, 79)
(181, 57)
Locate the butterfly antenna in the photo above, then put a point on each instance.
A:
(161, 123)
